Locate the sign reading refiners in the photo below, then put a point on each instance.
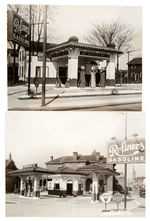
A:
(126, 151)
(18, 30)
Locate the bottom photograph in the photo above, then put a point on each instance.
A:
(75, 164)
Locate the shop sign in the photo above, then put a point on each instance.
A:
(93, 54)
(30, 166)
(18, 30)
(105, 198)
(126, 151)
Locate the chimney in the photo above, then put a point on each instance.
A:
(97, 156)
(75, 155)
(51, 158)
(10, 157)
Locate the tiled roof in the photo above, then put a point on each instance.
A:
(98, 168)
(135, 61)
(70, 159)
(29, 170)
(67, 170)
(82, 45)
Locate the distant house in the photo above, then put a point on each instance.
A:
(135, 70)
(12, 182)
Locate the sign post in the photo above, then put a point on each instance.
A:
(105, 198)
(44, 55)
(118, 198)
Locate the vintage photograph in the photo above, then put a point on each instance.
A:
(73, 57)
(75, 164)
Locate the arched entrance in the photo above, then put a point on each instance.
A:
(88, 185)
(69, 187)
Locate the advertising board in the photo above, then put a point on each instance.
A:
(18, 30)
(126, 151)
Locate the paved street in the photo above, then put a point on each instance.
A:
(81, 206)
(123, 107)
(76, 99)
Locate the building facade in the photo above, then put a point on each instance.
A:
(12, 183)
(68, 175)
(80, 174)
(72, 64)
(135, 70)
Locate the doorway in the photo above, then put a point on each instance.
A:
(63, 74)
(88, 185)
(69, 188)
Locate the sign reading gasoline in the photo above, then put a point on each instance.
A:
(18, 30)
(126, 151)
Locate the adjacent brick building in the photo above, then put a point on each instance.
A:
(135, 70)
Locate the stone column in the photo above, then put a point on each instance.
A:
(73, 66)
(105, 184)
(84, 186)
(95, 187)
(110, 71)
(22, 185)
(36, 186)
(75, 187)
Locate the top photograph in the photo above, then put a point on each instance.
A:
(74, 58)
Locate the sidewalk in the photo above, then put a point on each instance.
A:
(72, 98)
(53, 92)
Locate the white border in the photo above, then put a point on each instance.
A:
(3, 81)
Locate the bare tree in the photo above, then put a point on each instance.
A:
(117, 32)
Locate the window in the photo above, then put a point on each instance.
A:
(38, 71)
(134, 66)
(47, 72)
(20, 56)
(22, 71)
(56, 186)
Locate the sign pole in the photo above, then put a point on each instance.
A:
(44, 55)
(125, 186)
(125, 169)
(29, 67)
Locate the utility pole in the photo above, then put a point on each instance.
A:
(44, 55)
(125, 169)
(29, 66)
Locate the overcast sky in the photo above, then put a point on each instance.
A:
(32, 137)
(78, 20)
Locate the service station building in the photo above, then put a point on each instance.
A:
(72, 64)
(68, 175)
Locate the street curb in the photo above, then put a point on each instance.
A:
(27, 97)
(67, 108)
